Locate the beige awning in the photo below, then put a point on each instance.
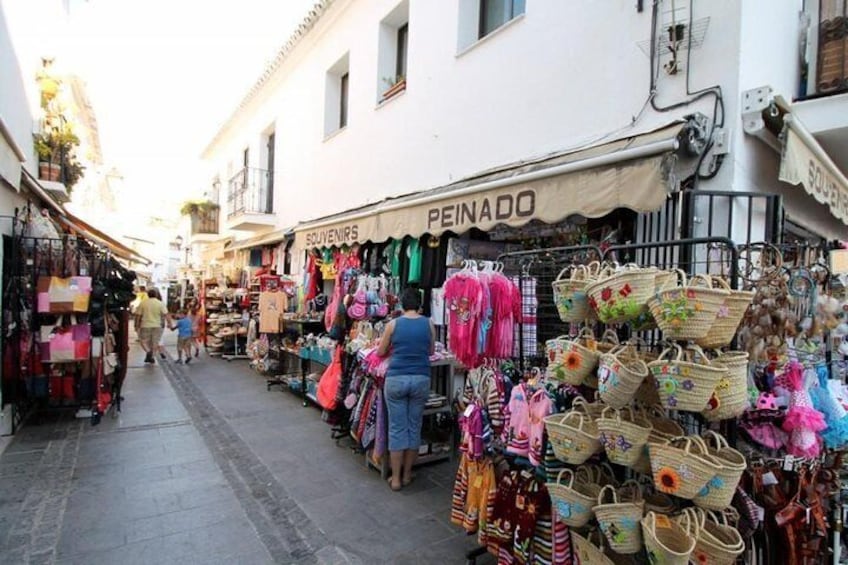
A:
(805, 162)
(215, 250)
(264, 239)
(633, 173)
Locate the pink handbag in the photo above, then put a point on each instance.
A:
(65, 344)
(58, 295)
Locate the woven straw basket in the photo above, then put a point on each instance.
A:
(684, 383)
(619, 521)
(587, 552)
(571, 360)
(591, 409)
(730, 398)
(573, 436)
(689, 309)
(619, 295)
(662, 429)
(729, 315)
(620, 372)
(716, 541)
(719, 490)
(666, 541)
(570, 298)
(573, 500)
(623, 435)
(680, 468)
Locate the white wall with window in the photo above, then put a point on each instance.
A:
(491, 82)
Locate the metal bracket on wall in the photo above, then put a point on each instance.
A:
(755, 102)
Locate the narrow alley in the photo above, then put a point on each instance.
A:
(203, 465)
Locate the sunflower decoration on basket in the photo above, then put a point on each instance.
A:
(572, 359)
(621, 293)
(620, 373)
(729, 316)
(573, 436)
(719, 490)
(666, 541)
(730, 398)
(618, 517)
(689, 308)
(572, 499)
(623, 434)
(570, 298)
(680, 467)
(717, 542)
(687, 380)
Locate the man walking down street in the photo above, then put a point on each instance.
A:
(151, 316)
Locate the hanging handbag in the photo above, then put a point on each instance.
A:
(58, 295)
(65, 344)
(330, 382)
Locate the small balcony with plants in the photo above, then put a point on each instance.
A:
(250, 200)
(203, 215)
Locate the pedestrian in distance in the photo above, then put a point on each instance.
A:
(410, 341)
(183, 327)
(151, 315)
(194, 316)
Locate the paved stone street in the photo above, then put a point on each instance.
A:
(205, 466)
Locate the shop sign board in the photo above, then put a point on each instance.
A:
(801, 166)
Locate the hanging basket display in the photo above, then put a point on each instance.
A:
(623, 435)
(573, 436)
(716, 541)
(680, 467)
(688, 309)
(620, 295)
(619, 520)
(685, 381)
(666, 541)
(719, 490)
(587, 552)
(572, 500)
(620, 372)
(730, 398)
(570, 298)
(729, 315)
(662, 429)
(571, 359)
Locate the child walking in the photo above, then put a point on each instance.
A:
(184, 336)
(194, 316)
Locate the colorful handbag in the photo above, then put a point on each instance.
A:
(58, 295)
(65, 344)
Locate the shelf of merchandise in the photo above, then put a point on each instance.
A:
(423, 459)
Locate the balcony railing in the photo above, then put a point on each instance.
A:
(830, 75)
(205, 221)
(251, 191)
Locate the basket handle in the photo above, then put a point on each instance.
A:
(570, 478)
(581, 271)
(718, 439)
(720, 281)
(701, 280)
(560, 277)
(617, 416)
(605, 489)
(634, 486)
(586, 332)
(699, 352)
(593, 269)
(611, 337)
(605, 467)
(575, 413)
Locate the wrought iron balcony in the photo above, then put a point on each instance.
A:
(828, 73)
(205, 221)
(251, 191)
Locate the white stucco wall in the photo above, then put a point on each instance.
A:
(531, 88)
(562, 75)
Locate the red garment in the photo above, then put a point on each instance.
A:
(464, 299)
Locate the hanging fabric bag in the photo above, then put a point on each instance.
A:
(58, 295)
(328, 386)
(65, 344)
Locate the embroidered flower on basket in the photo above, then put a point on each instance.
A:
(685, 472)
(667, 480)
(563, 508)
(672, 401)
(625, 290)
(606, 294)
(688, 384)
(715, 483)
(668, 385)
(723, 311)
(573, 361)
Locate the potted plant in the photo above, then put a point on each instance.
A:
(55, 148)
(197, 207)
(47, 170)
(396, 84)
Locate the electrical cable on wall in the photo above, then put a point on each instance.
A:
(715, 91)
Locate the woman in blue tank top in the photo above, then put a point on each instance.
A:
(410, 340)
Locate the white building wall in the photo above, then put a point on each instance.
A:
(562, 75)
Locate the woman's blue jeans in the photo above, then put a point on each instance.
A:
(405, 399)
